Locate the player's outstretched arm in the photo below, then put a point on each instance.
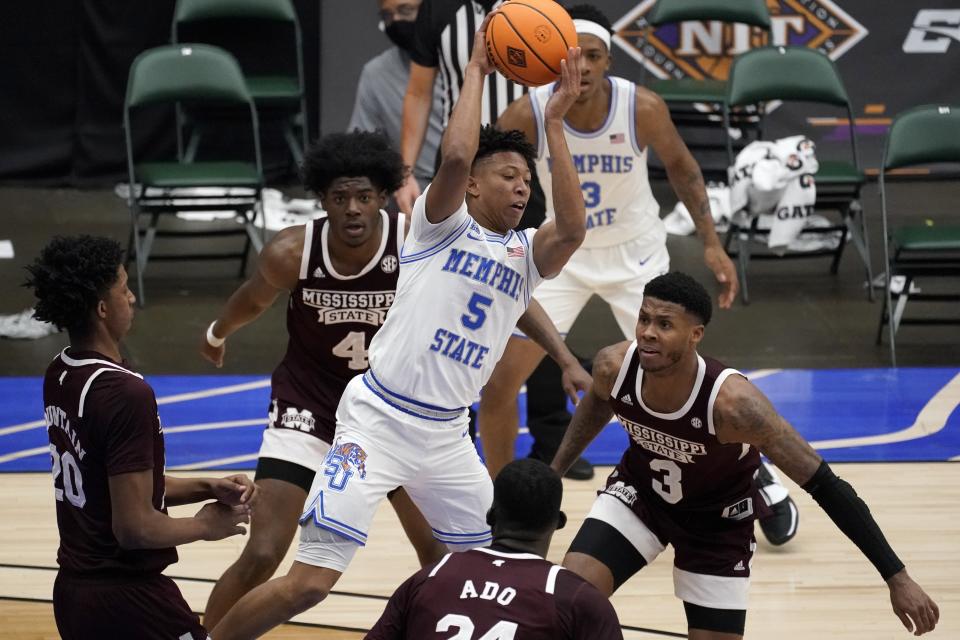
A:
(417, 102)
(278, 268)
(557, 239)
(538, 326)
(462, 137)
(743, 414)
(594, 410)
(654, 127)
(137, 525)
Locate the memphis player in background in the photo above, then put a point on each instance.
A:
(609, 131)
(466, 280)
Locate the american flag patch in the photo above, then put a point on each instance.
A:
(515, 252)
(617, 138)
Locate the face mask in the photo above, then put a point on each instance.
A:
(401, 33)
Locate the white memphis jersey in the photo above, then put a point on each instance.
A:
(460, 293)
(613, 171)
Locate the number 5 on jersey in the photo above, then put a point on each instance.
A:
(477, 306)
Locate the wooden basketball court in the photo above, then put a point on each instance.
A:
(818, 585)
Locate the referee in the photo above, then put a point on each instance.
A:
(443, 40)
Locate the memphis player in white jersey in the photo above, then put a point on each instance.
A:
(466, 280)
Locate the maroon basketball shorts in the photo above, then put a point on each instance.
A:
(712, 554)
(144, 606)
(295, 443)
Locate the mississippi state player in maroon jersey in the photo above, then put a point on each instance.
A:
(696, 430)
(106, 446)
(506, 590)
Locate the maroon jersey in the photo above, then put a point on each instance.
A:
(331, 319)
(675, 459)
(496, 593)
(101, 421)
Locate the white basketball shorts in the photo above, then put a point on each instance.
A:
(617, 274)
(382, 442)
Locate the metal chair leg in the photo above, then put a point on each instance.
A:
(135, 232)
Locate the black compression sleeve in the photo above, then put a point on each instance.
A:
(852, 517)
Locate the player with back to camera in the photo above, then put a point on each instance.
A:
(696, 430)
(465, 282)
(107, 450)
(508, 589)
(341, 276)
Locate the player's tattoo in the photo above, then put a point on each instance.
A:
(750, 418)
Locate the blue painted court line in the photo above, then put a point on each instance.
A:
(851, 414)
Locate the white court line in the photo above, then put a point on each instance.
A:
(203, 464)
(229, 424)
(210, 426)
(761, 373)
(26, 426)
(180, 397)
(954, 459)
(216, 391)
(26, 453)
(931, 419)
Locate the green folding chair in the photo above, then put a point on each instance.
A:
(280, 88)
(695, 103)
(194, 73)
(804, 75)
(924, 135)
(691, 90)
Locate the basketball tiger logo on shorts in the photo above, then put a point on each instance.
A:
(343, 461)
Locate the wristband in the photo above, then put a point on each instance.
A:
(852, 516)
(213, 340)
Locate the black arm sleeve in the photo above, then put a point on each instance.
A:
(852, 517)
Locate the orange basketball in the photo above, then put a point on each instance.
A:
(527, 39)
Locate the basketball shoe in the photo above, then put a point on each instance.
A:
(780, 526)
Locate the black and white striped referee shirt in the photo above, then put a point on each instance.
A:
(445, 30)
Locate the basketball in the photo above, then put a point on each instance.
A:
(527, 39)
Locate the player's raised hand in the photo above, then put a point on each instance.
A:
(222, 521)
(568, 89)
(575, 378)
(479, 56)
(916, 610)
(407, 194)
(719, 262)
(234, 490)
(211, 353)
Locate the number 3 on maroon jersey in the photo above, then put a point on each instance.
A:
(669, 488)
